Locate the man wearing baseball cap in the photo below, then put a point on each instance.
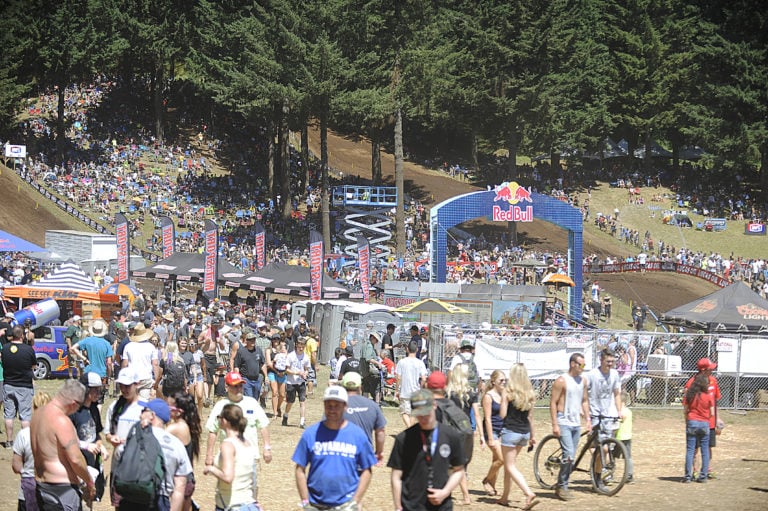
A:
(706, 366)
(427, 460)
(365, 412)
(335, 475)
(156, 413)
(72, 336)
(252, 410)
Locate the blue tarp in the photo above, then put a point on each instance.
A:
(11, 243)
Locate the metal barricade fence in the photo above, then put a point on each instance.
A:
(664, 362)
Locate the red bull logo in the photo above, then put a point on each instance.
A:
(513, 194)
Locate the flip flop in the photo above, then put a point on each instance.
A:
(533, 503)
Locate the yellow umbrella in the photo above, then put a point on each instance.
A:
(558, 280)
(432, 306)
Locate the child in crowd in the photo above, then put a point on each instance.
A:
(335, 365)
(624, 433)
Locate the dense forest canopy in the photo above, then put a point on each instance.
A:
(527, 76)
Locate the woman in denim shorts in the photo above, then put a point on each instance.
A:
(492, 425)
(517, 403)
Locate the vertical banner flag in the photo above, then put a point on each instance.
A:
(364, 260)
(210, 277)
(316, 255)
(123, 248)
(260, 245)
(168, 232)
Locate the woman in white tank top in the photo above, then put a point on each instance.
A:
(234, 465)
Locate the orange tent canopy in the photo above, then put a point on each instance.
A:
(39, 293)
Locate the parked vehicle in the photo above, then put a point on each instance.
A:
(51, 351)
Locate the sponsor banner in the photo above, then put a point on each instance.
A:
(316, 259)
(15, 151)
(364, 259)
(260, 245)
(658, 266)
(211, 255)
(122, 235)
(398, 301)
(754, 229)
(168, 232)
(515, 196)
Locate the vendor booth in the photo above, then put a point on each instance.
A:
(72, 289)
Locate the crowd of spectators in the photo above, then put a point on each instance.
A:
(115, 164)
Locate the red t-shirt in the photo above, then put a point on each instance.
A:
(714, 391)
(699, 409)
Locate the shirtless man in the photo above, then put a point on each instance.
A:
(208, 341)
(59, 464)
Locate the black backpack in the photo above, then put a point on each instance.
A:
(449, 413)
(174, 375)
(140, 472)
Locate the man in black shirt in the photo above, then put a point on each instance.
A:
(427, 460)
(18, 362)
(250, 363)
(350, 364)
(87, 422)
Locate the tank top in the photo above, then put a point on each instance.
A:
(240, 490)
(497, 421)
(574, 395)
(517, 420)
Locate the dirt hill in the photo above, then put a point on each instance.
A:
(26, 214)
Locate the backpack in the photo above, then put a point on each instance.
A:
(449, 413)
(140, 472)
(473, 377)
(174, 375)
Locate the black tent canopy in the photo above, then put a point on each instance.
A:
(735, 308)
(280, 278)
(186, 267)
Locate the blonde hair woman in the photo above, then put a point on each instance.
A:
(517, 409)
(173, 371)
(461, 392)
(492, 424)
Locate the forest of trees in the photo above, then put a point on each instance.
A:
(528, 76)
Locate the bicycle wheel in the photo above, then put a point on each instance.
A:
(546, 462)
(609, 473)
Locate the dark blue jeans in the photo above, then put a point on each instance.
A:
(252, 388)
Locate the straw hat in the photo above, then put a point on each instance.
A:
(141, 333)
(98, 328)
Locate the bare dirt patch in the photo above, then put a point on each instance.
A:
(658, 449)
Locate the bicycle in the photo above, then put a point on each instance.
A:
(608, 468)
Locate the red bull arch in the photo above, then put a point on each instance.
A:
(508, 202)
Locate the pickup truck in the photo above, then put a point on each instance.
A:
(51, 351)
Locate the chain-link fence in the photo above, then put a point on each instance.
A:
(654, 367)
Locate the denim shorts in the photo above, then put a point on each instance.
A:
(510, 438)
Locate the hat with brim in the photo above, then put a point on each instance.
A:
(127, 376)
(335, 393)
(375, 335)
(168, 316)
(141, 333)
(422, 403)
(98, 328)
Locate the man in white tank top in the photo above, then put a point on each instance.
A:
(567, 406)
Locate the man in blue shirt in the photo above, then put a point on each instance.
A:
(328, 458)
(95, 350)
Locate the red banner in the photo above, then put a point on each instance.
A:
(168, 232)
(123, 248)
(315, 265)
(364, 260)
(260, 245)
(211, 257)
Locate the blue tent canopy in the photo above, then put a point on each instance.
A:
(11, 243)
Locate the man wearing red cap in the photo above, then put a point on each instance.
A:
(706, 366)
(252, 410)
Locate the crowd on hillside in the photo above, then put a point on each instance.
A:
(116, 167)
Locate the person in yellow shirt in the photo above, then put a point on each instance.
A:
(311, 350)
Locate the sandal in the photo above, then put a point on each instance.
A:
(489, 489)
(531, 503)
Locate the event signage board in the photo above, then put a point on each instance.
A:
(515, 196)
(122, 236)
